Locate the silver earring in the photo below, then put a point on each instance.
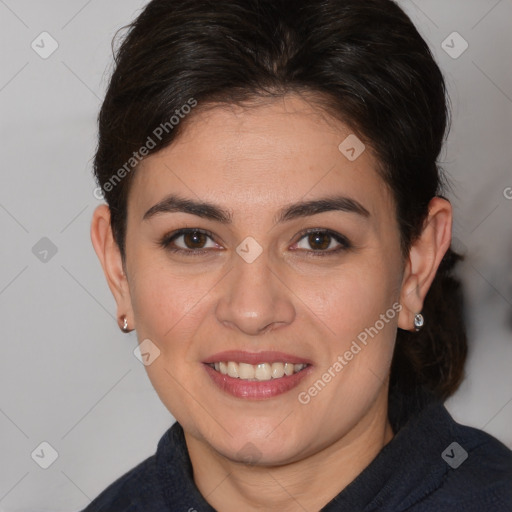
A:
(125, 324)
(419, 321)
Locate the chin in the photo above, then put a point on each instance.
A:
(266, 449)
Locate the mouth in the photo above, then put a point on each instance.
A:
(256, 376)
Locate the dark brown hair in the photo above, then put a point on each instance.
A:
(363, 61)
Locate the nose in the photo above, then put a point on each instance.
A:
(254, 298)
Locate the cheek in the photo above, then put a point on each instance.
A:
(357, 307)
(169, 310)
(169, 307)
(351, 300)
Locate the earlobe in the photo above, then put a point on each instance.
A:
(110, 258)
(410, 298)
(425, 256)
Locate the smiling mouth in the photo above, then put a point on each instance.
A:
(257, 372)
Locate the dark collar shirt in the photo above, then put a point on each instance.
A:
(432, 464)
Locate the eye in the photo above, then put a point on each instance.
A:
(189, 240)
(323, 242)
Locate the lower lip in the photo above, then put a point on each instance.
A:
(256, 390)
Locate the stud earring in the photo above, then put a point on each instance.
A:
(125, 324)
(419, 321)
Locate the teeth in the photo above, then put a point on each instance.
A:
(259, 372)
(246, 371)
(233, 369)
(277, 370)
(263, 372)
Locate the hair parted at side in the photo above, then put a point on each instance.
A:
(362, 62)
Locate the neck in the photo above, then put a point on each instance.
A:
(307, 484)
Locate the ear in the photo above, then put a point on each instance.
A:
(109, 255)
(424, 259)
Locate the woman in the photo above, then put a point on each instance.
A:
(275, 231)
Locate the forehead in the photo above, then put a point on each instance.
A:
(259, 157)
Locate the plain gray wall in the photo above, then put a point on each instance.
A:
(68, 375)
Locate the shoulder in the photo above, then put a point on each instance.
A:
(127, 493)
(160, 483)
(478, 473)
(485, 473)
(138, 489)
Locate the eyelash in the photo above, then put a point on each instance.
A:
(169, 238)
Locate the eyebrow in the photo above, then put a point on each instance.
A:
(173, 203)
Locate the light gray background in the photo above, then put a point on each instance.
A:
(68, 375)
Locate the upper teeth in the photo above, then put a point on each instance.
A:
(261, 371)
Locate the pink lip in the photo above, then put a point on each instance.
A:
(255, 390)
(240, 356)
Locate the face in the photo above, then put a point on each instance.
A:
(278, 261)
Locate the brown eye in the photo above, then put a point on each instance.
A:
(194, 240)
(319, 240)
(323, 242)
(191, 241)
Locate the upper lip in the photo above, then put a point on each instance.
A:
(241, 356)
